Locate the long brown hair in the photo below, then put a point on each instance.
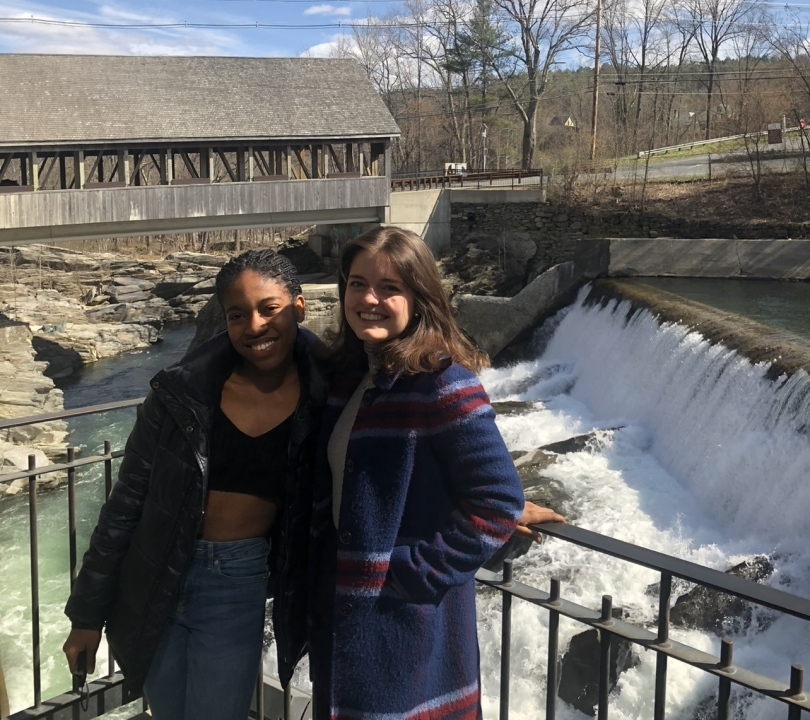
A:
(432, 340)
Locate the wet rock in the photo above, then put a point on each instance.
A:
(712, 611)
(579, 668)
(514, 407)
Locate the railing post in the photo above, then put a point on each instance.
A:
(664, 598)
(506, 639)
(724, 692)
(553, 651)
(796, 690)
(34, 545)
(287, 702)
(107, 491)
(107, 469)
(71, 456)
(604, 657)
(260, 692)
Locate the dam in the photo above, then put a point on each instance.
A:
(695, 449)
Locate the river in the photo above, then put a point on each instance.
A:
(710, 465)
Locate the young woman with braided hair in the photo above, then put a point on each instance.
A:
(211, 509)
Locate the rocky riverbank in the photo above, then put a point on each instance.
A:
(61, 309)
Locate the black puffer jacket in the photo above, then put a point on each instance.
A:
(143, 544)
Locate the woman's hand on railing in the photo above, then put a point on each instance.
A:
(79, 640)
(534, 515)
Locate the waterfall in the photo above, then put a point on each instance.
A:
(711, 465)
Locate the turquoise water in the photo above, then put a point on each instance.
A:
(120, 378)
(779, 304)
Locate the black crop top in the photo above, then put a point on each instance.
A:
(250, 465)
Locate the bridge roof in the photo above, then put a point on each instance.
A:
(79, 100)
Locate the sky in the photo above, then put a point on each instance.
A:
(59, 26)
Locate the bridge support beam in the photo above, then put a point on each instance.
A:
(123, 166)
(34, 163)
(78, 170)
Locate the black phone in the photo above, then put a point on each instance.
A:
(80, 672)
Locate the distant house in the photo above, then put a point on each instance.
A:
(564, 121)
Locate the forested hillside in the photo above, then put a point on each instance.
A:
(516, 77)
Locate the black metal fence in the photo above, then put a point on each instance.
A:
(108, 693)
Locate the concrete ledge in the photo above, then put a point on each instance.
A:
(425, 212)
(495, 321)
(785, 352)
(710, 258)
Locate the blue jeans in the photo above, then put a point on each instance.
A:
(207, 663)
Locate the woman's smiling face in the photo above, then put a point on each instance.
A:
(377, 303)
(262, 320)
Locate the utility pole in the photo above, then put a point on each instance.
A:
(596, 63)
(484, 137)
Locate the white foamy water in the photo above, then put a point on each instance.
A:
(711, 465)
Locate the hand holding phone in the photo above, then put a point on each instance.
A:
(80, 672)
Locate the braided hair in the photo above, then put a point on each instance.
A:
(266, 263)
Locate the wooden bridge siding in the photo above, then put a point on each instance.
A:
(154, 203)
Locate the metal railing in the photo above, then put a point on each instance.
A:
(712, 141)
(470, 180)
(108, 692)
(791, 693)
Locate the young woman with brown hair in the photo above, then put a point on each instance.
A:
(414, 490)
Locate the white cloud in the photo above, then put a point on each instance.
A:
(325, 49)
(27, 37)
(328, 10)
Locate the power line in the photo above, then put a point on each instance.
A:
(274, 26)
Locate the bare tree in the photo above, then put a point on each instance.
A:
(792, 43)
(713, 23)
(633, 40)
(543, 30)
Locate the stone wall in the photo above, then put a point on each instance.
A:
(554, 226)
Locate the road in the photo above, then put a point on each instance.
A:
(698, 165)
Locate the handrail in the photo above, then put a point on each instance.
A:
(698, 143)
(64, 414)
(692, 572)
(429, 181)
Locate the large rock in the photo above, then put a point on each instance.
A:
(138, 283)
(579, 669)
(127, 294)
(495, 321)
(25, 392)
(176, 284)
(193, 258)
(712, 611)
(302, 257)
(490, 264)
(209, 321)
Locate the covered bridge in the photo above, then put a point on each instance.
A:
(94, 146)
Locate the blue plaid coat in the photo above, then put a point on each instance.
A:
(430, 492)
